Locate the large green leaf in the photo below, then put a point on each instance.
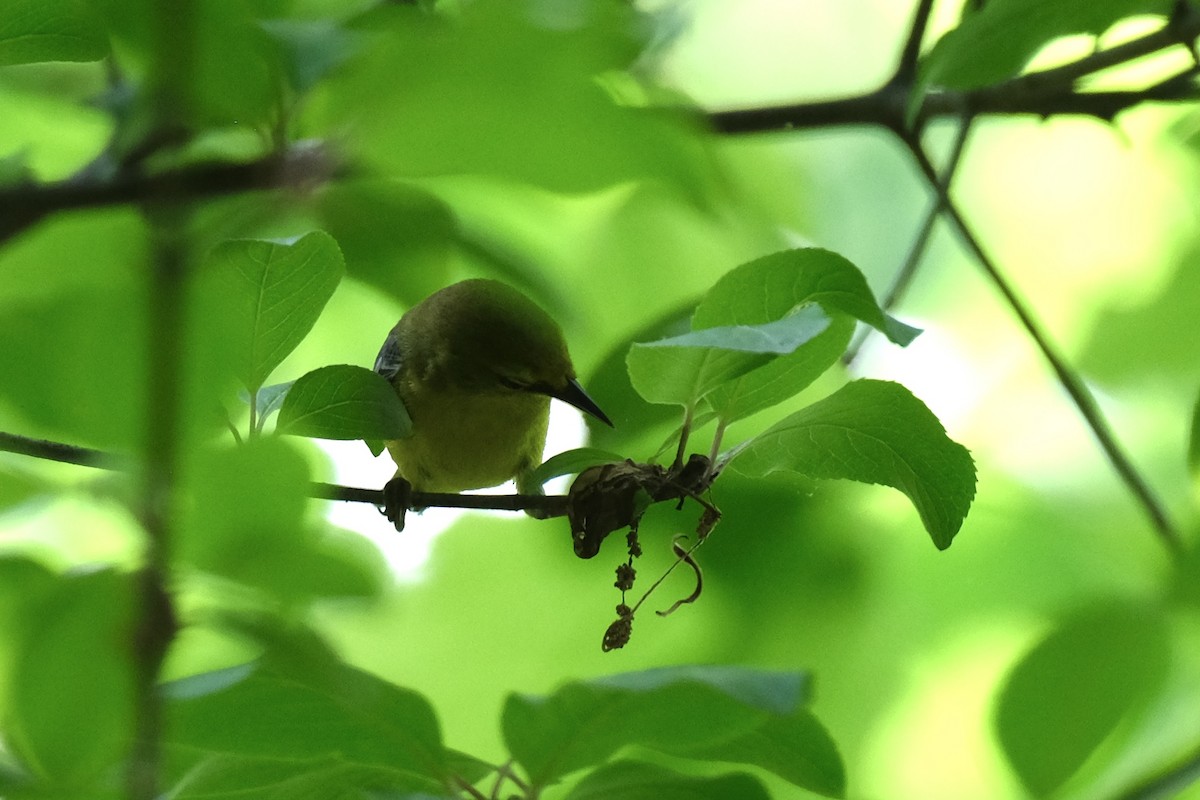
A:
(426, 99)
(996, 43)
(795, 747)
(273, 293)
(773, 286)
(50, 30)
(684, 369)
(632, 780)
(235, 70)
(68, 381)
(1193, 456)
(246, 522)
(874, 432)
(1070, 692)
(286, 724)
(343, 402)
(396, 237)
(70, 705)
(584, 723)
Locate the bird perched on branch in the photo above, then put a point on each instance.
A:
(476, 364)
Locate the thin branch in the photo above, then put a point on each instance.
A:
(56, 451)
(1181, 29)
(554, 505)
(26, 205)
(1170, 782)
(885, 107)
(1080, 395)
(549, 505)
(916, 252)
(906, 71)
(1043, 93)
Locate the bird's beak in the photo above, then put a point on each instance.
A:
(574, 394)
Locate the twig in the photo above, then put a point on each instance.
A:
(1043, 93)
(554, 505)
(906, 70)
(1170, 782)
(916, 252)
(56, 451)
(550, 505)
(26, 205)
(1080, 395)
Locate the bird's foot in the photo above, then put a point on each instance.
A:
(397, 500)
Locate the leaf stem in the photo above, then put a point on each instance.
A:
(252, 432)
(685, 431)
(715, 450)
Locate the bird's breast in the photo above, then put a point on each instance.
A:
(463, 440)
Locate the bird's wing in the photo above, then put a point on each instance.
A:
(390, 359)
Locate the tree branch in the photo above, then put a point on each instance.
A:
(26, 205)
(549, 505)
(56, 451)
(1170, 782)
(916, 252)
(1080, 395)
(906, 70)
(1043, 93)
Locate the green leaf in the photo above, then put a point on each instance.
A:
(344, 402)
(247, 522)
(247, 510)
(572, 462)
(69, 382)
(996, 43)
(75, 656)
(773, 286)
(551, 122)
(1193, 457)
(309, 713)
(583, 723)
(270, 400)
(275, 292)
(234, 76)
(311, 49)
(15, 169)
(1069, 693)
(236, 775)
(795, 747)
(50, 30)
(613, 391)
(633, 780)
(396, 237)
(683, 369)
(873, 432)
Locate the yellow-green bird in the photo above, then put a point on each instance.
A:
(476, 364)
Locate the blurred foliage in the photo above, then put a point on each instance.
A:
(1052, 651)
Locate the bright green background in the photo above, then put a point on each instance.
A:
(614, 223)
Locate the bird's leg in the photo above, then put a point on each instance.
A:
(397, 500)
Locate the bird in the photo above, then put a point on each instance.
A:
(476, 365)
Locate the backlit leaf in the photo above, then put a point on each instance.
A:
(873, 432)
(343, 402)
(274, 292)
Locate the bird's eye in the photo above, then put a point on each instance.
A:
(510, 383)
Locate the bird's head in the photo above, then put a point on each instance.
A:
(484, 336)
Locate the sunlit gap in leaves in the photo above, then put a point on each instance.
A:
(408, 551)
